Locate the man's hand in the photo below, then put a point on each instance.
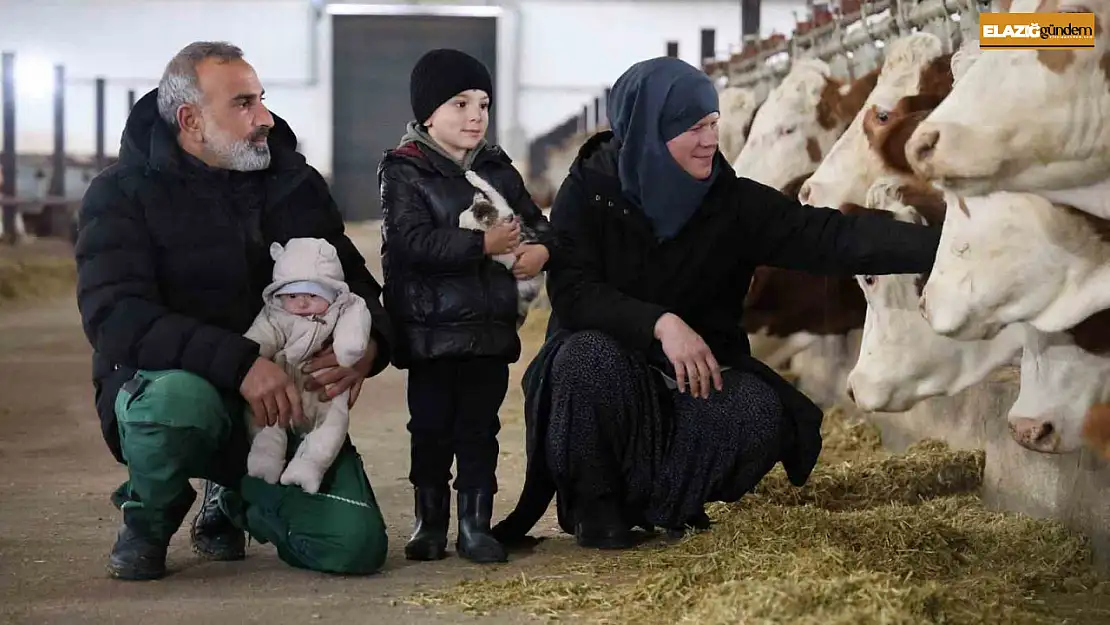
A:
(530, 259)
(689, 355)
(273, 398)
(331, 379)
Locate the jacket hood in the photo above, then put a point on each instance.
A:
(305, 259)
(415, 133)
(148, 140)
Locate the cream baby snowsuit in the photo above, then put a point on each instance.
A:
(290, 340)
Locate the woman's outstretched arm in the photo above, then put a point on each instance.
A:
(779, 231)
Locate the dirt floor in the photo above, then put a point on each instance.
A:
(57, 525)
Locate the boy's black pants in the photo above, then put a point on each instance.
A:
(453, 406)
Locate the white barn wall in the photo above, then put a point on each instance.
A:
(565, 56)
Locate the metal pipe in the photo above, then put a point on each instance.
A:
(130, 99)
(828, 47)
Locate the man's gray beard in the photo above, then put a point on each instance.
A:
(239, 155)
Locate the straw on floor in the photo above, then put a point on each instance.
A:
(874, 537)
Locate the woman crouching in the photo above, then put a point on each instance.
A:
(644, 403)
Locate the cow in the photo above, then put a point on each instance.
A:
(1096, 429)
(915, 77)
(1052, 136)
(1016, 257)
(738, 105)
(1063, 376)
(798, 122)
(782, 315)
(902, 361)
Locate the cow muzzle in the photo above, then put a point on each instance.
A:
(1038, 435)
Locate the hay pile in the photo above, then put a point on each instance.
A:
(35, 278)
(872, 538)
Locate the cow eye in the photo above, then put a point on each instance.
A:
(869, 280)
(882, 116)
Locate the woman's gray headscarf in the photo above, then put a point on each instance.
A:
(653, 102)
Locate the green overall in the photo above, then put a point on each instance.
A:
(175, 426)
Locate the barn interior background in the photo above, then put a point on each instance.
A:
(338, 71)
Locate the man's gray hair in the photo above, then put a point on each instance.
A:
(179, 82)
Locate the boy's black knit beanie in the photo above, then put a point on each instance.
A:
(442, 74)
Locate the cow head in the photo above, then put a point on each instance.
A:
(798, 122)
(1016, 257)
(902, 361)
(738, 105)
(914, 78)
(1063, 375)
(1024, 120)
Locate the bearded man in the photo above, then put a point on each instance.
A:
(172, 256)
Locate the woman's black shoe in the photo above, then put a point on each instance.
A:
(598, 524)
(476, 543)
(429, 537)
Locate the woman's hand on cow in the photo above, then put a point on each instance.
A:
(691, 357)
(530, 259)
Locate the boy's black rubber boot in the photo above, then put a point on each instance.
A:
(433, 513)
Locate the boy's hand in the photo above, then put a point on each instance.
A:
(503, 238)
(530, 259)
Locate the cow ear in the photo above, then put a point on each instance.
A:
(276, 250)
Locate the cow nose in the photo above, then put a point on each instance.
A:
(1035, 434)
(922, 307)
(803, 193)
(923, 145)
(851, 394)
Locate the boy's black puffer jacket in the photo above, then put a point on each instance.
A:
(447, 298)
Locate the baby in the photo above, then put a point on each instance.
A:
(488, 208)
(306, 304)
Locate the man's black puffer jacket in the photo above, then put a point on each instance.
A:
(172, 257)
(446, 297)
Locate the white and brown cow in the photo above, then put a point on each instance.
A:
(1027, 120)
(915, 77)
(902, 361)
(1063, 376)
(1017, 257)
(798, 122)
(738, 105)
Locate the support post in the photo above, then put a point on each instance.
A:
(7, 156)
(672, 49)
(749, 17)
(55, 215)
(99, 124)
(130, 99)
(708, 45)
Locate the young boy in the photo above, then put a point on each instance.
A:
(455, 307)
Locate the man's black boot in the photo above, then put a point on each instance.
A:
(213, 534)
(136, 556)
(476, 543)
(433, 513)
